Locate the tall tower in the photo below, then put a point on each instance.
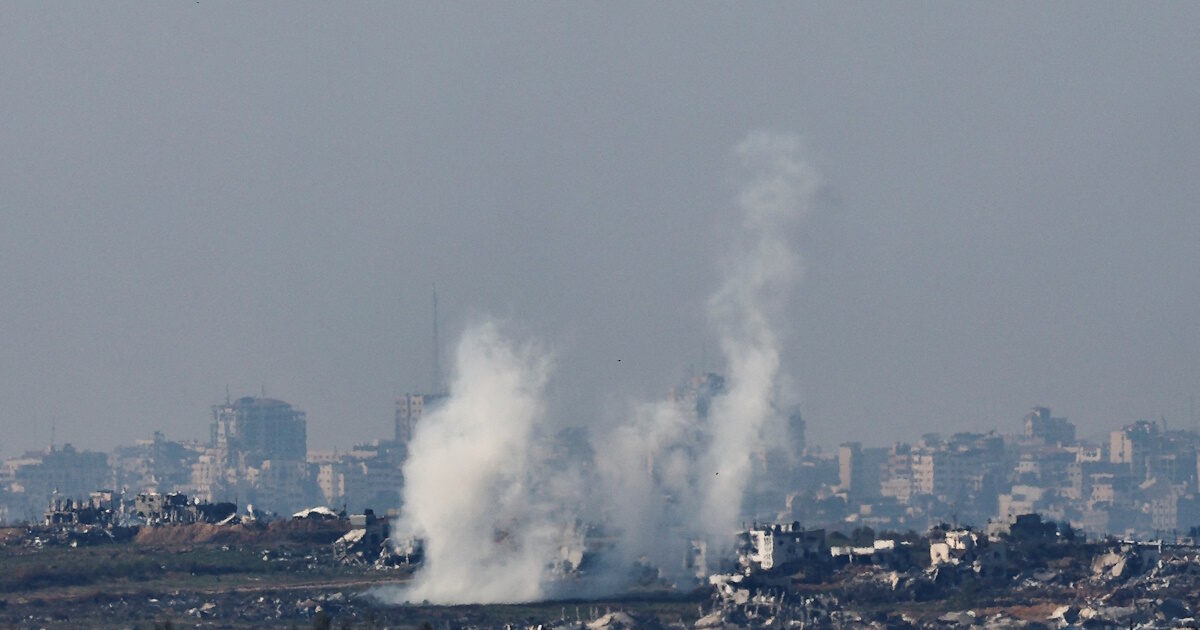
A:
(437, 349)
(410, 407)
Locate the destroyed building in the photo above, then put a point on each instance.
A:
(778, 547)
(367, 542)
(971, 550)
(1040, 426)
(100, 508)
(175, 507)
(33, 479)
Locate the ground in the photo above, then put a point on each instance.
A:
(289, 576)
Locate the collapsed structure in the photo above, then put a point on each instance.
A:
(779, 547)
(99, 508)
(175, 507)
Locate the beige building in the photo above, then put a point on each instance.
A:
(409, 410)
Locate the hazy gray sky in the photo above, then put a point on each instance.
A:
(201, 194)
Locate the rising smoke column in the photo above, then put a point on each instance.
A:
(746, 313)
(470, 491)
(683, 474)
(492, 517)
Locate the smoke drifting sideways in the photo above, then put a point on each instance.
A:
(481, 488)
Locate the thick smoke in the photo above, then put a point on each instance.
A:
(492, 512)
(470, 484)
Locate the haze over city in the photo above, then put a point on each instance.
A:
(205, 195)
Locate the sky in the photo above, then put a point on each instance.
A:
(262, 196)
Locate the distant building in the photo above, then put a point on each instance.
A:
(33, 479)
(368, 476)
(1020, 500)
(896, 480)
(260, 428)
(696, 396)
(257, 454)
(796, 433)
(154, 465)
(1133, 444)
(1040, 426)
(409, 410)
(859, 469)
(849, 465)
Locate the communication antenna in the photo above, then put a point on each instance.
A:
(437, 364)
(52, 428)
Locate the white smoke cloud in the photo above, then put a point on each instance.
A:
(490, 511)
(746, 313)
(470, 488)
(647, 471)
(685, 472)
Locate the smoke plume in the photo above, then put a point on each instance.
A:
(478, 488)
(684, 465)
(470, 489)
(746, 313)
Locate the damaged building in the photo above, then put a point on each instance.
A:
(176, 507)
(778, 547)
(100, 508)
(367, 543)
(969, 549)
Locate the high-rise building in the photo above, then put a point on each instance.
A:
(1133, 444)
(796, 429)
(257, 454)
(860, 469)
(409, 410)
(260, 428)
(849, 465)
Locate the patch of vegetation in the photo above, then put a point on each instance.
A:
(62, 566)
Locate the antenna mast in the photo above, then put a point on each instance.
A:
(437, 365)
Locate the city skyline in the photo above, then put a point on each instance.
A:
(1138, 477)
